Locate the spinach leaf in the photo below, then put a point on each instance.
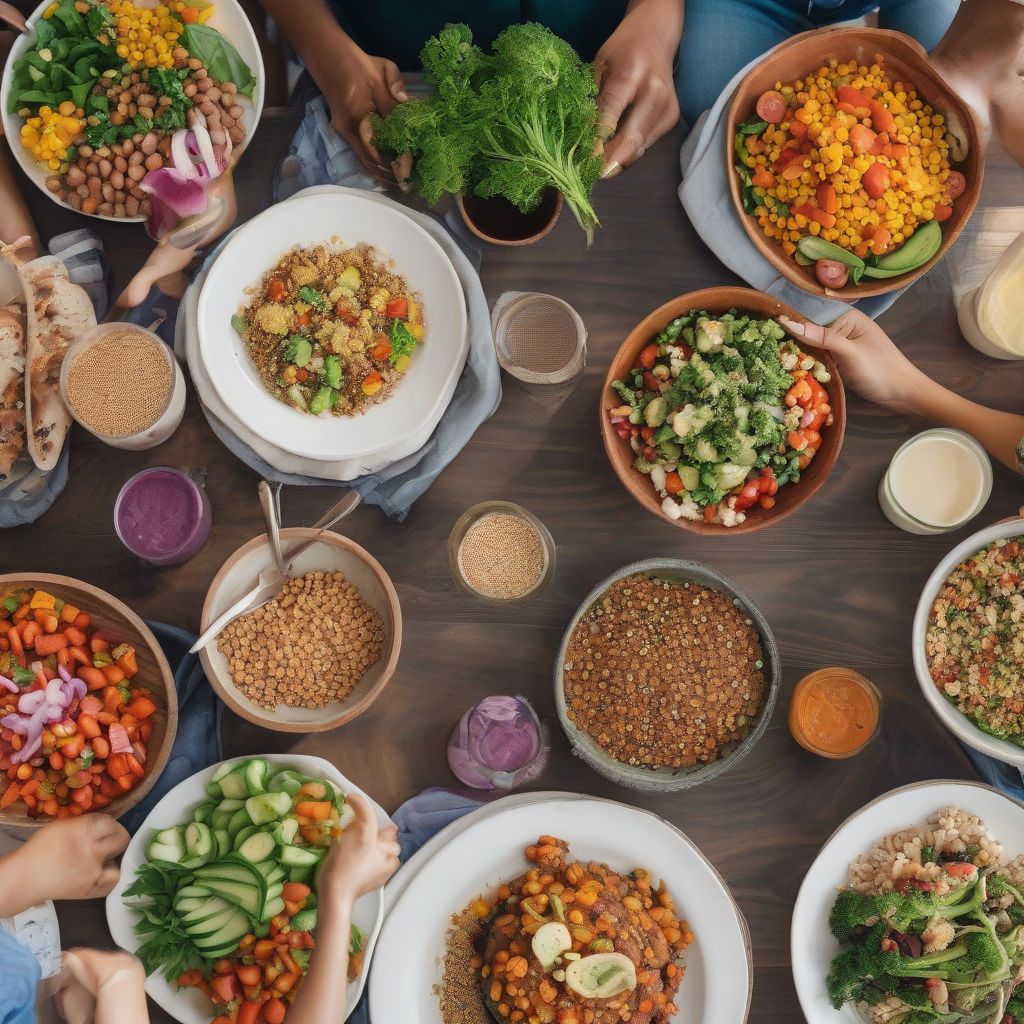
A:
(219, 56)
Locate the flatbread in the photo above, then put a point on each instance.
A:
(12, 392)
(59, 312)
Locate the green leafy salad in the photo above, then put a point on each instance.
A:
(511, 123)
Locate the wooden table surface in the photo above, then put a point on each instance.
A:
(836, 581)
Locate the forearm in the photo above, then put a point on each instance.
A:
(316, 37)
(998, 431)
(15, 220)
(18, 884)
(669, 14)
(121, 999)
(326, 983)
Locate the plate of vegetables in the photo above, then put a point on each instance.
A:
(96, 91)
(717, 420)
(88, 707)
(853, 166)
(218, 889)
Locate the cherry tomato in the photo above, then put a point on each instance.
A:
(955, 184)
(771, 107)
(647, 433)
(831, 273)
(648, 356)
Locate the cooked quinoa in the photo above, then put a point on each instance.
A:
(975, 644)
(331, 332)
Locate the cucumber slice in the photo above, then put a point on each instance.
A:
(220, 819)
(285, 831)
(214, 792)
(303, 921)
(239, 820)
(172, 836)
(226, 936)
(189, 891)
(216, 911)
(244, 895)
(257, 847)
(298, 856)
(199, 839)
(346, 817)
(288, 781)
(232, 869)
(204, 811)
(226, 769)
(268, 807)
(231, 804)
(169, 854)
(190, 903)
(273, 908)
(272, 871)
(234, 785)
(223, 840)
(274, 890)
(194, 862)
(256, 776)
(300, 873)
(242, 834)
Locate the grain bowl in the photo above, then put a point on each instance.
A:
(321, 652)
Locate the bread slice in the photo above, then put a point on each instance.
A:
(12, 391)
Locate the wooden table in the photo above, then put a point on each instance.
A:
(837, 582)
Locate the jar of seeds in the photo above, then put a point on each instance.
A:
(500, 553)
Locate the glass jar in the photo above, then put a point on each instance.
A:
(499, 743)
(992, 317)
(162, 515)
(835, 712)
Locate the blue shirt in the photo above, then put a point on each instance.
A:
(19, 978)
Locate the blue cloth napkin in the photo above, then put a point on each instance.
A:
(197, 743)
(704, 193)
(420, 818)
(997, 773)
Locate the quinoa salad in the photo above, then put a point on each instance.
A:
(721, 412)
(974, 644)
(331, 332)
(931, 920)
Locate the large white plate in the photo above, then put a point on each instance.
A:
(228, 18)
(410, 953)
(190, 1006)
(811, 943)
(421, 397)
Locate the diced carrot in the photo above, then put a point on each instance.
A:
(92, 677)
(88, 726)
(264, 949)
(113, 697)
(10, 795)
(106, 718)
(50, 644)
(141, 707)
(249, 975)
(128, 664)
(56, 761)
(15, 641)
(318, 810)
(29, 634)
(82, 620)
(826, 196)
(126, 782)
(117, 765)
(943, 213)
(75, 636)
(862, 139)
(856, 98)
(79, 655)
(287, 982)
(68, 613)
(316, 790)
(98, 643)
(145, 730)
(73, 746)
(876, 180)
(798, 130)
(114, 674)
(100, 746)
(762, 177)
(190, 979)
(881, 119)
(134, 767)
(296, 891)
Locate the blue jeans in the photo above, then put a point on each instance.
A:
(722, 36)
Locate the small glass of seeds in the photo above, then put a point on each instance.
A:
(123, 384)
(500, 553)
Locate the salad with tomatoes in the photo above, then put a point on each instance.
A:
(74, 727)
(722, 411)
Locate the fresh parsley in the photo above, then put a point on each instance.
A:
(402, 341)
(22, 676)
(166, 946)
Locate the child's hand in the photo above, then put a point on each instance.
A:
(72, 858)
(98, 987)
(867, 358)
(363, 859)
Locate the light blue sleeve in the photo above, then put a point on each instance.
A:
(19, 977)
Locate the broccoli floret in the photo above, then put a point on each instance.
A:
(767, 430)
(987, 954)
(1015, 1008)
(1000, 885)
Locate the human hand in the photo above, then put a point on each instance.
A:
(363, 858)
(866, 356)
(98, 987)
(637, 101)
(71, 859)
(355, 86)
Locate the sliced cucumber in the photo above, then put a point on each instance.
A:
(226, 769)
(231, 804)
(220, 819)
(234, 785)
(298, 856)
(223, 839)
(244, 895)
(189, 903)
(226, 936)
(242, 834)
(194, 862)
(347, 816)
(203, 925)
(256, 776)
(239, 820)
(189, 891)
(273, 908)
(169, 854)
(268, 807)
(232, 869)
(300, 873)
(199, 839)
(204, 811)
(257, 847)
(214, 792)
(288, 781)
(285, 831)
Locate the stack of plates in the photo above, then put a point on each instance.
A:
(328, 447)
(478, 852)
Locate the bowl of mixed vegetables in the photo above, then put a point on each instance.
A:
(715, 418)
(852, 165)
(88, 708)
(101, 98)
(218, 889)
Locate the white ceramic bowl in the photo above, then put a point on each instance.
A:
(812, 946)
(228, 18)
(474, 859)
(951, 718)
(190, 1006)
(348, 218)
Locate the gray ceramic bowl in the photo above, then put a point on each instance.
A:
(670, 780)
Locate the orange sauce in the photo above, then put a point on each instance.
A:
(834, 712)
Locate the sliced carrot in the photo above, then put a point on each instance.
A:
(88, 726)
(76, 637)
(29, 634)
(82, 620)
(15, 641)
(68, 613)
(141, 707)
(50, 644)
(92, 677)
(113, 673)
(10, 795)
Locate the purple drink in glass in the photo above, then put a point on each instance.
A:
(499, 743)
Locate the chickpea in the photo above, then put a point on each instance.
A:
(85, 151)
(105, 167)
(131, 206)
(117, 178)
(228, 87)
(218, 136)
(122, 109)
(164, 147)
(89, 204)
(213, 93)
(136, 172)
(103, 151)
(207, 107)
(136, 158)
(74, 200)
(236, 134)
(146, 99)
(128, 147)
(75, 175)
(204, 83)
(95, 187)
(191, 89)
(108, 192)
(92, 169)
(83, 190)
(154, 162)
(139, 193)
(105, 209)
(117, 118)
(119, 196)
(236, 112)
(118, 209)
(149, 143)
(193, 117)
(120, 164)
(146, 112)
(53, 185)
(179, 53)
(195, 63)
(124, 97)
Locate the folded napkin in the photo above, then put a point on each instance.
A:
(319, 155)
(197, 743)
(997, 773)
(420, 818)
(704, 193)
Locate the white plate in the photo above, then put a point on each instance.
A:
(190, 1006)
(421, 397)
(228, 18)
(812, 946)
(409, 960)
(958, 724)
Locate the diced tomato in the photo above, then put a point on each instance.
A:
(856, 99)
(826, 197)
(397, 309)
(276, 289)
(876, 180)
(651, 383)
(785, 157)
(771, 107)
(225, 987)
(881, 119)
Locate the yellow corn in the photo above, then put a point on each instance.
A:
(146, 37)
(48, 134)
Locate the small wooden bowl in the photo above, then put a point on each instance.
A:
(331, 553)
(905, 60)
(719, 300)
(498, 222)
(120, 623)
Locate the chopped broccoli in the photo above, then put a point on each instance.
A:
(330, 376)
(314, 298)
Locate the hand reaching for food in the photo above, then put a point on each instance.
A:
(362, 860)
(101, 987)
(637, 101)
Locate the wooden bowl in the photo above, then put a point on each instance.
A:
(119, 623)
(719, 300)
(498, 222)
(331, 552)
(904, 58)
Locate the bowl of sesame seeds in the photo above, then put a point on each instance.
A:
(667, 676)
(320, 652)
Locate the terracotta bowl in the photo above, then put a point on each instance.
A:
(333, 553)
(499, 222)
(119, 623)
(719, 300)
(904, 58)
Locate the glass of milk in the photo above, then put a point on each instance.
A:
(936, 482)
(992, 316)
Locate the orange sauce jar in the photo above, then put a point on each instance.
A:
(835, 712)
